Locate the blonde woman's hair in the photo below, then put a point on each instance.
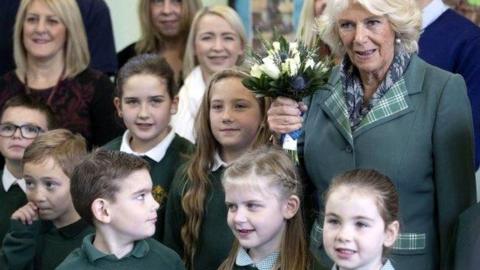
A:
(77, 57)
(404, 16)
(226, 13)
(307, 30)
(151, 41)
(201, 163)
(273, 166)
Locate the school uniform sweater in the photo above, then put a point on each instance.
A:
(146, 254)
(215, 239)
(162, 173)
(10, 201)
(40, 245)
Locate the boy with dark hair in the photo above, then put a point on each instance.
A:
(45, 230)
(22, 119)
(112, 190)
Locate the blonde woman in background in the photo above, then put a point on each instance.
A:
(216, 42)
(51, 57)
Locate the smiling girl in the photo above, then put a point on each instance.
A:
(145, 99)
(231, 120)
(361, 220)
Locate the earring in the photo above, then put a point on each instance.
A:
(398, 41)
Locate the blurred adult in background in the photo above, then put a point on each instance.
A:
(386, 109)
(98, 25)
(452, 42)
(216, 42)
(164, 26)
(51, 56)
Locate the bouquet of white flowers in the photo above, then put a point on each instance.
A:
(287, 69)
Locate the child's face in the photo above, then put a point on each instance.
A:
(217, 44)
(354, 233)
(49, 189)
(235, 115)
(257, 218)
(146, 108)
(134, 212)
(12, 148)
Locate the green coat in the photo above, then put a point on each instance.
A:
(422, 139)
(162, 173)
(216, 238)
(467, 242)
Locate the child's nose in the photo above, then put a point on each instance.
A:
(239, 216)
(345, 234)
(36, 195)
(144, 111)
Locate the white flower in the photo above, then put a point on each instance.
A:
(276, 46)
(268, 67)
(293, 46)
(291, 67)
(256, 72)
(309, 64)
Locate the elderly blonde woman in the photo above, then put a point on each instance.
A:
(164, 28)
(51, 57)
(387, 109)
(216, 42)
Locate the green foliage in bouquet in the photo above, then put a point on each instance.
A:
(287, 69)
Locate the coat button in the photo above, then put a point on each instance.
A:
(348, 149)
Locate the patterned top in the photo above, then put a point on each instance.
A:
(353, 90)
(243, 259)
(82, 104)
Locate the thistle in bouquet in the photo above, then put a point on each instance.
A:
(287, 69)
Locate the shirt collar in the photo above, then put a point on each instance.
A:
(386, 266)
(140, 250)
(432, 11)
(218, 162)
(156, 153)
(8, 180)
(243, 259)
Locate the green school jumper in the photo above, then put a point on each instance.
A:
(146, 254)
(40, 245)
(10, 201)
(162, 173)
(216, 238)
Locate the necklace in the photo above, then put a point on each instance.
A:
(54, 90)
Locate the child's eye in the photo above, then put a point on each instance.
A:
(333, 221)
(241, 106)
(156, 101)
(141, 197)
(206, 37)
(50, 185)
(131, 101)
(231, 207)
(253, 206)
(30, 184)
(361, 224)
(216, 107)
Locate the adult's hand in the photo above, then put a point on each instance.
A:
(285, 115)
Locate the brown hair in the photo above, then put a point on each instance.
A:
(25, 101)
(273, 165)
(201, 163)
(98, 176)
(151, 40)
(374, 183)
(64, 147)
(151, 64)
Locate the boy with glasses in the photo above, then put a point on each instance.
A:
(21, 120)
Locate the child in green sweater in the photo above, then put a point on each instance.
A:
(22, 119)
(112, 190)
(145, 99)
(44, 231)
(231, 120)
